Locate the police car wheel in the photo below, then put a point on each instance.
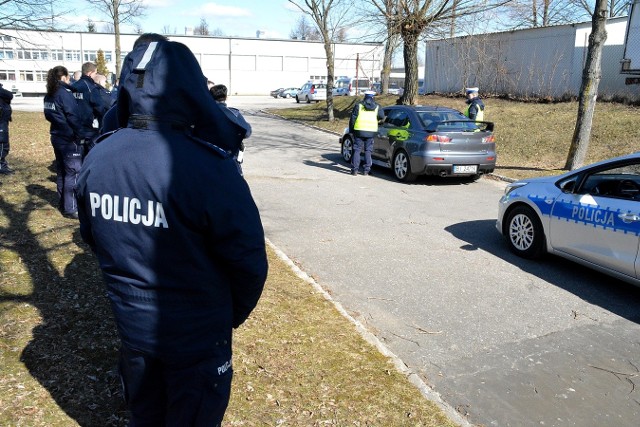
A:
(347, 149)
(524, 233)
(402, 167)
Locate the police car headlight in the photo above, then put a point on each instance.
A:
(513, 186)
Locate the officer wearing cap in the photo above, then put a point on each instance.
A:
(178, 237)
(363, 125)
(475, 106)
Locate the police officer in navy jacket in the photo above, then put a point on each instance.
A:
(90, 104)
(179, 240)
(61, 110)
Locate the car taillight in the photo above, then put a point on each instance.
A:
(349, 87)
(437, 138)
(313, 89)
(488, 139)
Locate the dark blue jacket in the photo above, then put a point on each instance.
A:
(89, 104)
(5, 114)
(61, 110)
(173, 224)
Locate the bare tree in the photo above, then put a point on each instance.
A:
(304, 30)
(614, 7)
(119, 12)
(589, 90)
(28, 14)
(543, 13)
(328, 16)
(202, 29)
(412, 18)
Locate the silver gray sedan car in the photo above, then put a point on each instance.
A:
(590, 216)
(425, 140)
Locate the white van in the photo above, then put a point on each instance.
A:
(351, 86)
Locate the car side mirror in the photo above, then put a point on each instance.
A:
(568, 186)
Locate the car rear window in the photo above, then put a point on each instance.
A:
(446, 121)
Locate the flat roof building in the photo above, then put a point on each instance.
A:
(247, 66)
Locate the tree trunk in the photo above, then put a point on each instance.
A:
(386, 64)
(330, 71)
(116, 31)
(410, 54)
(588, 92)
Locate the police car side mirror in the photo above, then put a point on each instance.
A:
(568, 186)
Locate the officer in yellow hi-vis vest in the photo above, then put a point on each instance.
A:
(364, 126)
(475, 108)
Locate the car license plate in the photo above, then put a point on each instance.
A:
(465, 168)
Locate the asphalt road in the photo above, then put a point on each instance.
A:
(505, 341)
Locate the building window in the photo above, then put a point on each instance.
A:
(7, 75)
(72, 55)
(6, 54)
(107, 56)
(57, 55)
(33, 54)
(90, 56)
(26, 76)
(41, 76)
(6, 38)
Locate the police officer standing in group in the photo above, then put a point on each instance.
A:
(475, 106)
(219, 93)
(91, 107)
(363, 125)
(5, 117)
(61, 110)
(178, 237)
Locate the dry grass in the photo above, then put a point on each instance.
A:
(533, 139)
(298, 362)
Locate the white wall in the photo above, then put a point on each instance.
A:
(247, 66)
(536, 62)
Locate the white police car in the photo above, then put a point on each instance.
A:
(590, 215)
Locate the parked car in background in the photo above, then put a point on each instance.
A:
(289, 92)
(350, 86)
(394, 88)
(312, 92)
(428, 140)
(276, 92)
(590, 215)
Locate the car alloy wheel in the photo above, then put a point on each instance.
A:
(524, 232)
(347, 149)
(402, 167)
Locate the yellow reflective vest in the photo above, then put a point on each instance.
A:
(367, 120)
(479, 115)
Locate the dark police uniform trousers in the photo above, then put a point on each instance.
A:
(68, 163)
(202, 401)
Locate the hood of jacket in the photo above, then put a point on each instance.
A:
(369, 103)
(162, 81)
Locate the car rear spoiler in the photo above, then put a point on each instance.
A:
(482, 125)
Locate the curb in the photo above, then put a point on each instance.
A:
(413, 377)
